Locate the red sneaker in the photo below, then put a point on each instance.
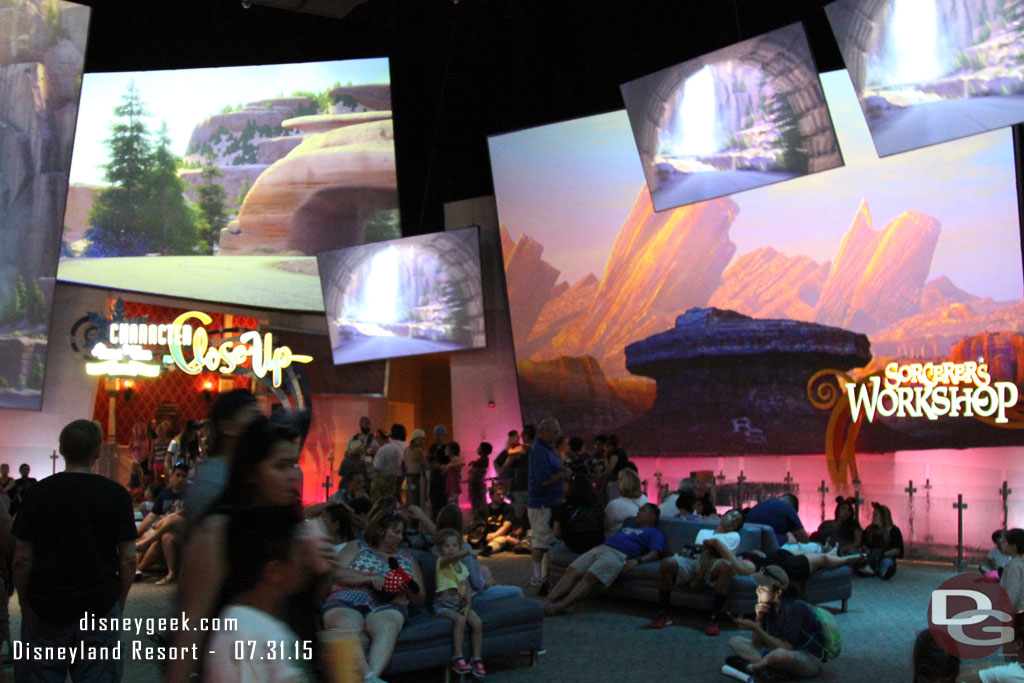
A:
(477, 666)
(459, 665)
(661, 621)
(712, 628)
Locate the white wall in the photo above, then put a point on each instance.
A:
(485, 375)
(68, 393)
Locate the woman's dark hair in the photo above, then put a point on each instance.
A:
(931, 663)
(379, 524)
(1015, 538)
(686, 500)
(998, 535)
(485, 448)
(454, 447)
(251, 449)
(339, 514)
(841, 503)
(383, 504)
(224, 408)
(257, 536)
(707, 503)
(581, 491)
(575, 444)
(449, 517)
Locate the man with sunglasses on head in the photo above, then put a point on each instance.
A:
(162, 530)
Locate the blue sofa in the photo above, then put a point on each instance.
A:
(641, 583)
(511, 626)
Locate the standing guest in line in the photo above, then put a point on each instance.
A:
(1013, 573)
(387, 465)
(437, 458)
(416, 468)
(786, 636)
(6, 480)
(184, 447)
(21, 486)
(546, 491)
(229, 416)
(631, 498)
(453, 473)
(513, 467)
(883, 542)
(364, 437)
(477, 476)
(159, 444)
(353, 463)
(88, 518)
(576, 460)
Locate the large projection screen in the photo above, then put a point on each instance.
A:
(41, 58)
(223, 184)
(741, 117)
(918, 254)
(927, 71)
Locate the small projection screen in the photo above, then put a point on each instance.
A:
(927, 72)
(404, 297)
(745, 116)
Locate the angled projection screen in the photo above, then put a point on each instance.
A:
(40, 75)
(745, 116)
(927, 72)
(222, 184)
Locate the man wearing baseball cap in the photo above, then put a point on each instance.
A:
(786, 635)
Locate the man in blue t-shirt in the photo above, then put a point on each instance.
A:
(785, 635)
(623, 550)
(780, 514)
(545, 490)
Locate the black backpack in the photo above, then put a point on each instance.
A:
(584, 528)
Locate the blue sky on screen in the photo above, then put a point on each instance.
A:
(571, 185)
(185, 97)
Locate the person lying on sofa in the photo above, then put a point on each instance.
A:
(798, 566)
(710, 568)
(623, 550)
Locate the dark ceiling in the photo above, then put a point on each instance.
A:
(458, 72)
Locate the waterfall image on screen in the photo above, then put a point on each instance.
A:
(222, 184)
(741, 117)
(929, 71)
(404, 297)
(697, 330)
(42, 51)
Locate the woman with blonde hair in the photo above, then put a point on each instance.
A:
(631, 499)
(883, 543)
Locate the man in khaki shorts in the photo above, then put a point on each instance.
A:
(545, 492)
(623, 550)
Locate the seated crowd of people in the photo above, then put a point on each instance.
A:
(235, 537)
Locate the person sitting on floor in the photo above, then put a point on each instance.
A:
(162, 531)
(931, 663)
(883, 542)
(709, 568)
(623, 550)
(844, 531)
(498, 520)
(786, 636)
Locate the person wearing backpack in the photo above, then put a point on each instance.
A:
(786, 635)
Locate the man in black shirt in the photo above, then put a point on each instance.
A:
(499, 523)
(74, 557)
